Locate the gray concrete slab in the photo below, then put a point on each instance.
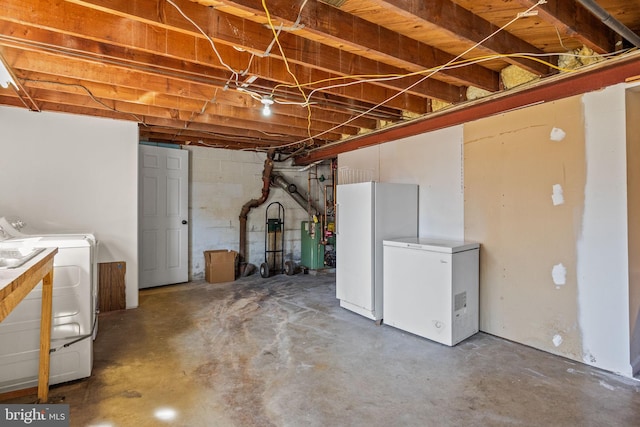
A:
(281, 352)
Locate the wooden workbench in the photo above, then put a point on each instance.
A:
(15, 284)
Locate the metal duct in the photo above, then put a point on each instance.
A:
(611, 22)
(292, 190)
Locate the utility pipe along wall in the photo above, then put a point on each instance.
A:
(254, 203)
(611, 22)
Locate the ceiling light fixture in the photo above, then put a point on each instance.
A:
(5, 76)
(267, 102)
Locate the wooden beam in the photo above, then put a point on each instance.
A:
(230, 103)
(193, 65)
(220, 132)
(192, 138)
(572, 19)
(297, 127)
(251, 138)
(232, 32)
(352, 32)
(122, 78)
(562, 86)
(467, 27)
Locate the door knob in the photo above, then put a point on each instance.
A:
(184, 221)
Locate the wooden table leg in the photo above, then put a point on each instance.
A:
(45, 337)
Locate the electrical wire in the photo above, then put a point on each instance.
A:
(158, 69)
(377, 78)
(358, 79)
(258, 97)
(368, 78)
(18, 88)
(201, 142)
(560, 38)
(234, 73)
(429, 75)
(286, 61)
(91, 95)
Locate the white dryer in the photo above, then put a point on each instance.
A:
(75, 307)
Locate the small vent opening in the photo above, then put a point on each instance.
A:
(460, 301)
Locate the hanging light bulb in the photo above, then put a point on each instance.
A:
(267, 102)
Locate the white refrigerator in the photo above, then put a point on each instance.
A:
(366, 214)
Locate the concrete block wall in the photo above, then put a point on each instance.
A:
(221, 182)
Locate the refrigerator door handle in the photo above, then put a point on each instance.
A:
(337, 218)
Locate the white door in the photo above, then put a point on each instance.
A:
(164, 230)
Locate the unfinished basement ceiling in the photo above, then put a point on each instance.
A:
(201, 72)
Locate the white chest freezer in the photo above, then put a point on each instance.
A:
(431, 288)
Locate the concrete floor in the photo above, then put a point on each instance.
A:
(281, 352)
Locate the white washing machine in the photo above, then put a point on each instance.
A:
(75, 297)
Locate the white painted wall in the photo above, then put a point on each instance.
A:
(222, 181)
(633, 209)
(68, 173)
(66, 164)
(433, 161)
(603, 268)
(361, 165)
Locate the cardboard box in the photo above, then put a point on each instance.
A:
(220, 265)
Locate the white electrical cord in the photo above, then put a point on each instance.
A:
(213, 45)
(302, 141)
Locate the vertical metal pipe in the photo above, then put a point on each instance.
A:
(253, 203)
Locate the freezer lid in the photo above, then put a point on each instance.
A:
(432, 245)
